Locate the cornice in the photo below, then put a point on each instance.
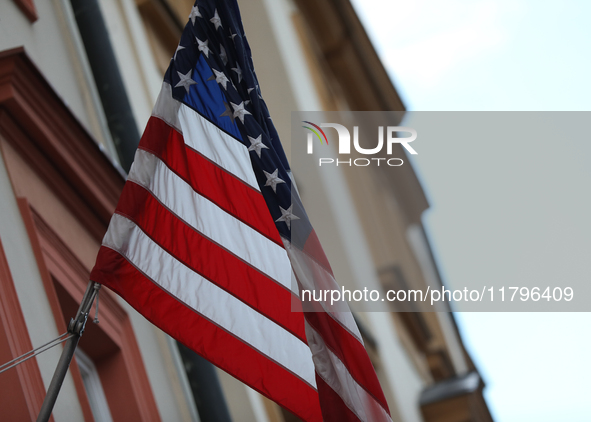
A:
(41, 128)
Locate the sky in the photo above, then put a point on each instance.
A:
(504, 55)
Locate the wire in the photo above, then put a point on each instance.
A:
(32, 353)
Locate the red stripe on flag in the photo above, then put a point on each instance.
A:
(208, 179)
(333, 407)
(350, 351)
(210, 260)
(204, 337)
(313, 248)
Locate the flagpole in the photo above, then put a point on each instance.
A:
(76, 328)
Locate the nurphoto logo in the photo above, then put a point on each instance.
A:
(344, 144)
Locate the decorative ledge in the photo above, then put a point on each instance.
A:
(28, 8)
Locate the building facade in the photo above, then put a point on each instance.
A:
(78, 80)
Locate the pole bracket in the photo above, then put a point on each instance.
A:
(75, 327)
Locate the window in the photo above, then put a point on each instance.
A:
(93, 387)
(53, 165)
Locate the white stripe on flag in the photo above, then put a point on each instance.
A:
(167, 108)
(205, 137)
(210, 141)
(332, 370)
(209, 219)
(214, 303)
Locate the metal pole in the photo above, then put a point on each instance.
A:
(58, 379)
(107, 77)
(76, 327)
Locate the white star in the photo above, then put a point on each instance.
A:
(186, 80)
(257, 145)
(220, 78)
(232, 35)
(287, 216)
(203, 46)
(249, 90)
(216, 20)
(273, 180)
(238, 72)
(179, 48)
(223, 55)
(194, 14)
(240, 112)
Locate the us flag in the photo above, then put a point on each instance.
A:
(210, 230)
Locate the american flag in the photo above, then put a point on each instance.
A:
(209, 231)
